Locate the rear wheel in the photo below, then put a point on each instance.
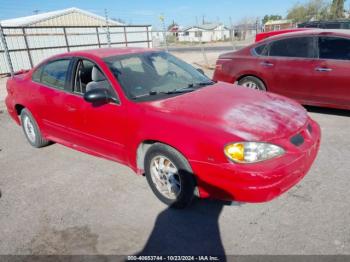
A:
(169, 176)
(31, 130)
(252, 83)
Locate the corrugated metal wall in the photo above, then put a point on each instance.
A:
(30, 45)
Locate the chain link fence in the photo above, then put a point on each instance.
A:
(24, 47)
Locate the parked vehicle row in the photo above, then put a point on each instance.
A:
(310, 66)
(163, 118)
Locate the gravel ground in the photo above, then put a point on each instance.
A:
(59, 201)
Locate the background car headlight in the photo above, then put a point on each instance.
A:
(252, 152)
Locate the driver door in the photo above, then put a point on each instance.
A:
(101, 128)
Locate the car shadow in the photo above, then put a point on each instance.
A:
(193, 231)
(328, 111)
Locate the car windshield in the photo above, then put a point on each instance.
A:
(155, 75)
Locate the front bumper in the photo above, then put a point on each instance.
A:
(258, 182)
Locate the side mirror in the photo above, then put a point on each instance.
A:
(98, 96)
(200, 70)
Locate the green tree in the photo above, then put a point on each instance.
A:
(311, 10)
(337, 9)
(271, 18)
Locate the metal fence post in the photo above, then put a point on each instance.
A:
(98, 38)
(148, 42)
(125, 37)
(27, 47)
(6, 50)
(66, 39)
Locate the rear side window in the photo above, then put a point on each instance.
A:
(334, 48)
(55, 73)
(260, 50)
(301, 47)
(37, 74)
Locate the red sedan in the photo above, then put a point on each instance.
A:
(310, 66)
(163, 118)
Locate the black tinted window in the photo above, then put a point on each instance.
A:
(55, 73)
(334, 48)
(293, 47)
(260, 50)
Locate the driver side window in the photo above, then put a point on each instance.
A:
(88, 76)
(82, 76)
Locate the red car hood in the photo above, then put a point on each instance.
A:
(248, 114)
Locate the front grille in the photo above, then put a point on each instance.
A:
(297, 140)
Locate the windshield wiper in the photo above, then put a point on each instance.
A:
(200, 84)
(175, 91)
(180, 90)
(191, 87)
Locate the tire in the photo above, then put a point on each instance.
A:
(31, 130)
(179, 185)
(252, 83)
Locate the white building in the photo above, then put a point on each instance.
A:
(205, 33)
(65, 17)
(32, 38)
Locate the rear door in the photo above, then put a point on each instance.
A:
(332, 85)
(293, 61)
(51, 81)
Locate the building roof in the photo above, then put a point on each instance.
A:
(279, 22)
(34, 19)
(208, 26)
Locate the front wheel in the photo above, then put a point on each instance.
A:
(252, 83)
(169, 176)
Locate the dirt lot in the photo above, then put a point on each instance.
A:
(59, 201)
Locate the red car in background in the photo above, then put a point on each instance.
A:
(262, 36)
(309, 66)
(163, 118)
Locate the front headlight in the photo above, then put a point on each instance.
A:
(252, 152)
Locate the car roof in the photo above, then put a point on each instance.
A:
(108, 52)
(332, 32)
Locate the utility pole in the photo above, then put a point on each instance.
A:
(107, 26)
(202, 47)
(232, 33)
(161, 18)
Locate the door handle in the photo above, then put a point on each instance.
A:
(266, 64)
(323, 69)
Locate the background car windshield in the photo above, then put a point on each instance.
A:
(146, 74)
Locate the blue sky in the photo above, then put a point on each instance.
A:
(184, 12)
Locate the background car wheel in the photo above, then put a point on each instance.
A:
(252, 83)
(169, 176)
(31, 130)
